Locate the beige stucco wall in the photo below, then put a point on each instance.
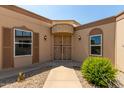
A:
(120, 43)
(0, 49)
(62, 28)
(22, 61)
(12, 19)
(81, 47)
(45, 45)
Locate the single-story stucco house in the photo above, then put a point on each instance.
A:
(27, 38)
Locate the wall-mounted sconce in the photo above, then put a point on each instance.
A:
(79, 37)
(45, 37)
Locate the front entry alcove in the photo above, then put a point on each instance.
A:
(62, 46)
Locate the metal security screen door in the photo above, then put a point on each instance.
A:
(62, 47)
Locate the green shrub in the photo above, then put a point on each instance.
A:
(98, 71)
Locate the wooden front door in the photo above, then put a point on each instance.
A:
(62, 47)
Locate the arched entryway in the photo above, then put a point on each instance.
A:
(62, 41)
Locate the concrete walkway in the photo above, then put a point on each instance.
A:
(62, 77)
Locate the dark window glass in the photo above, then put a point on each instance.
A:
(27, 34)
(96, 50)
(95, 40)
(23, 42)
(18, 33)
(22, 49)
(21, 36)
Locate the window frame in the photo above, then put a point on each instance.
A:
(101, 45)
(22, 43)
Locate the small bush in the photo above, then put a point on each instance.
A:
(98, 71)
(21, 77)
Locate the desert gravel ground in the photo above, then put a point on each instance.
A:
(84, 83)
(120, 78)
(38, 80)
(34, 81)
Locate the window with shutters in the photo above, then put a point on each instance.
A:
(23, 42)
